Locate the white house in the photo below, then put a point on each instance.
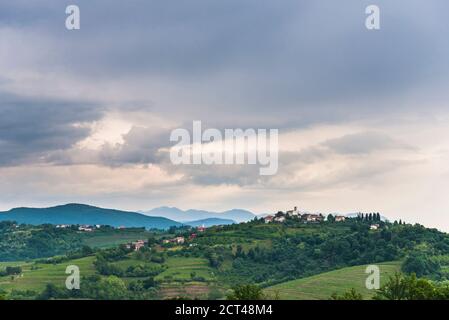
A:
(279, 219)
(293, 212)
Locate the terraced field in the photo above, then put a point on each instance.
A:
(181, 269)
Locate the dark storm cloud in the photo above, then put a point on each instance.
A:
(32, 127)
(244, 63)
(300, 62)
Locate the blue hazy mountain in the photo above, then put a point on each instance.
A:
(237, 215)
(85, 214)
(209, 222)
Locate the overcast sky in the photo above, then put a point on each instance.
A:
(85, 115)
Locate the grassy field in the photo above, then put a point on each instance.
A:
(113, 239)
(36, 276)
(182, 268)
(322, 286)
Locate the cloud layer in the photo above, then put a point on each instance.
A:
(85, 116)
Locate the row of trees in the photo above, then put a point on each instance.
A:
(369, 217)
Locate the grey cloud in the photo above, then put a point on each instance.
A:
(32, 127)
(291, 65)
(234, 63)
(140, 146)
(364, 142)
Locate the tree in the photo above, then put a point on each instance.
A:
(330, 218)
(149, 283)
(13, 270)
(421, 265)
(51, 291)
(394, 289)
(401, 287)
(352, 294)
(111, 288)
(246, 292)
(86, 251)
(151, 241)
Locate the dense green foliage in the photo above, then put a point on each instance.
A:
(422, 265)
(246, 292)
(352, 294)
(294, 250)
(23, 242)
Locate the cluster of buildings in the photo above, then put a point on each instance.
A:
(306, 217)
(136, 245)
(309, 217)
(176, 240)
(84, 227)
(182, 240)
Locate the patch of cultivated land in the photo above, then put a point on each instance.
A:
(322, 286)
(182, 269)
(35, 276)
(192, 290)
(113, 239)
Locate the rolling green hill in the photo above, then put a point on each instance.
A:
(322, 286)
(84, 214)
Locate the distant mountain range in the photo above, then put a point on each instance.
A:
(158, 218)
(84, 214)
(89, 215)
(209, 222)
(237, 215)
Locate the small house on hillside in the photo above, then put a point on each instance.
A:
(85, 228)
(280, 219)
(293, 212)
(177, 240)
(310, 217)
(340, 218)
(138, 245)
